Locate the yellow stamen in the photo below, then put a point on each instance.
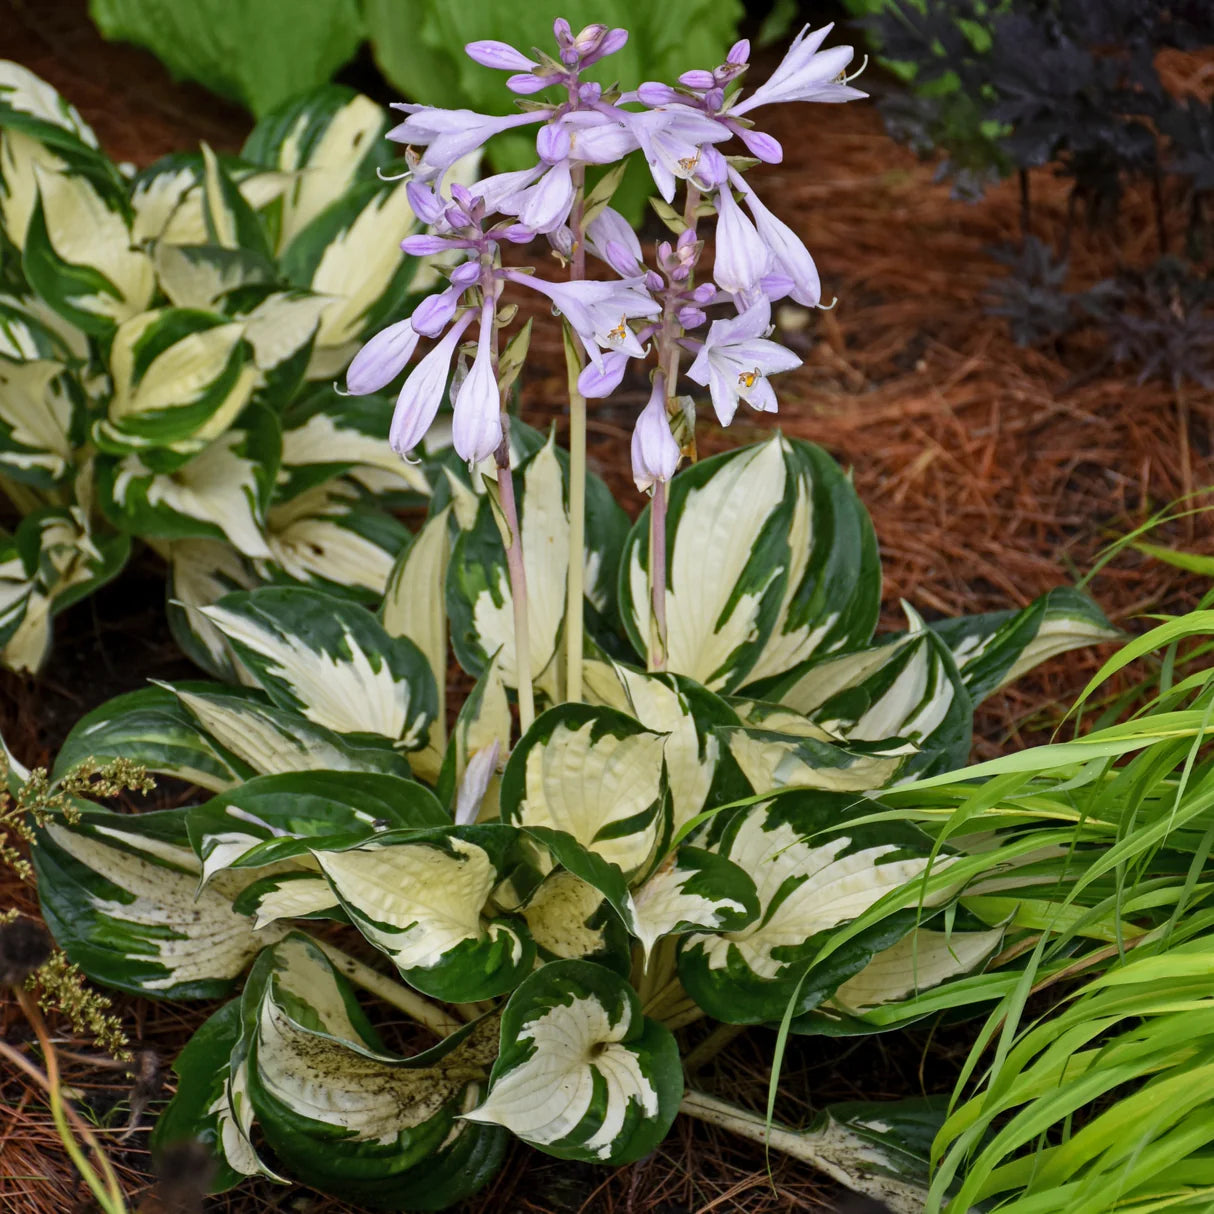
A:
(747, 378)
(617, 334)
(688, 163)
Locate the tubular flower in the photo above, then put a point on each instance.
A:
(476, 431)
(655, 454)
(422, 393)
(736, 359)
(805, 74)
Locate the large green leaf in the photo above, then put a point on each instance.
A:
(906, 686)
(479, 601)
(331, 661)
(422, 898)
(275, 818)
(582, 1074)
(814, 870)
(596, 775)
(120, 893)
(833, 594)
(247, 53)
(202, 571)
(344, 1115)
(150, 727)
(996, 649)
(727, 539)
(271, 740)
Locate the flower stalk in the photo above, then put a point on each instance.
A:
(577, 459)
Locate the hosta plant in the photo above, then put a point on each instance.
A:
(168, 342)
(654, 805)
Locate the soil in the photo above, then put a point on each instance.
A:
(992, 473)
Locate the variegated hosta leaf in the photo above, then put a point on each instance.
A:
(120, 893)
(168, 197)
(727, 534)
(833, 594)
(582, 1074)
(231, 222)
(326, 434)
(275, 818)
(220, 493)
(996, 649)
(150, 727)
(29, 330)
(181, 378)
(272, 740)
(351, 253)
(28, 103)
(479, 600)
(294, 894)
(329, 536)
(200, 1109)
(201, 572)
(281, 328)
(53, 562)
(484, 722)
(682, 710)
(415, 606)
(422, 898)
(78, 252)
(331, 661)
(342, 1114)
(569, 919)
(39, 412)
(693, 889)
(201, 277)
(921, 960)
(814, 870)
(904, 687)
(596, 775)
(328, 140)
(770, 760)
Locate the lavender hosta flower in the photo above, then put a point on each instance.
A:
(610, 237)
(789, 257)
(742, 257)
(600, 380)
(480, 771)
(382, 359)
(671, 138)
(736, 359)
(422, 393)
(448, 135)
(805, 74)
(598, 312)
(655, 454)
(476, 428)
(500, 55)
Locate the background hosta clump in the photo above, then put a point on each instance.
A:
(168, 340)
(554, 907)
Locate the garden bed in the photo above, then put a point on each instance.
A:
(992, 473)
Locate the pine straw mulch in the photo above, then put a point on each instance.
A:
(992, 473)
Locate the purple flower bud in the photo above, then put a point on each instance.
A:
(424, 245)
(569, 57)
(595, 383)
(704, 293)
(613, 41)
(653, 94)
(526, 83)
(419, 399)
(686, 237)
(562, 31)
(465, 274)
(561, 239)
(476, 429)
(382, 359)
(620, 259)
(697, 79)
(691, 318)
(713, 169)
(518, 233)
(653, 280)
(655, 454)
(499, 55)
(434, 313)
(759, 144)
(714, 99)
(589, 92)
(589, 39)
(463, 196)
(665, 252)
(739, 52)
(427, 206)
(609, 228)
(552, 143)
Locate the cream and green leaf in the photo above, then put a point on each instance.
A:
(582, 1074)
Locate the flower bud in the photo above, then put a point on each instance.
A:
(434, 313)
(739, 53)
(499, 55)
(382, 359)
(697, 79)
(465, 274)
(552, 143)
(427, 206)
(526, 83)
(653, 94)
(655, 454)
(424, 245)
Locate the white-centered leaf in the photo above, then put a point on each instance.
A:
(331, 661)
(582, 1074)
(35, 420)
(565, 916)
(596, 775)
(727, 540)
